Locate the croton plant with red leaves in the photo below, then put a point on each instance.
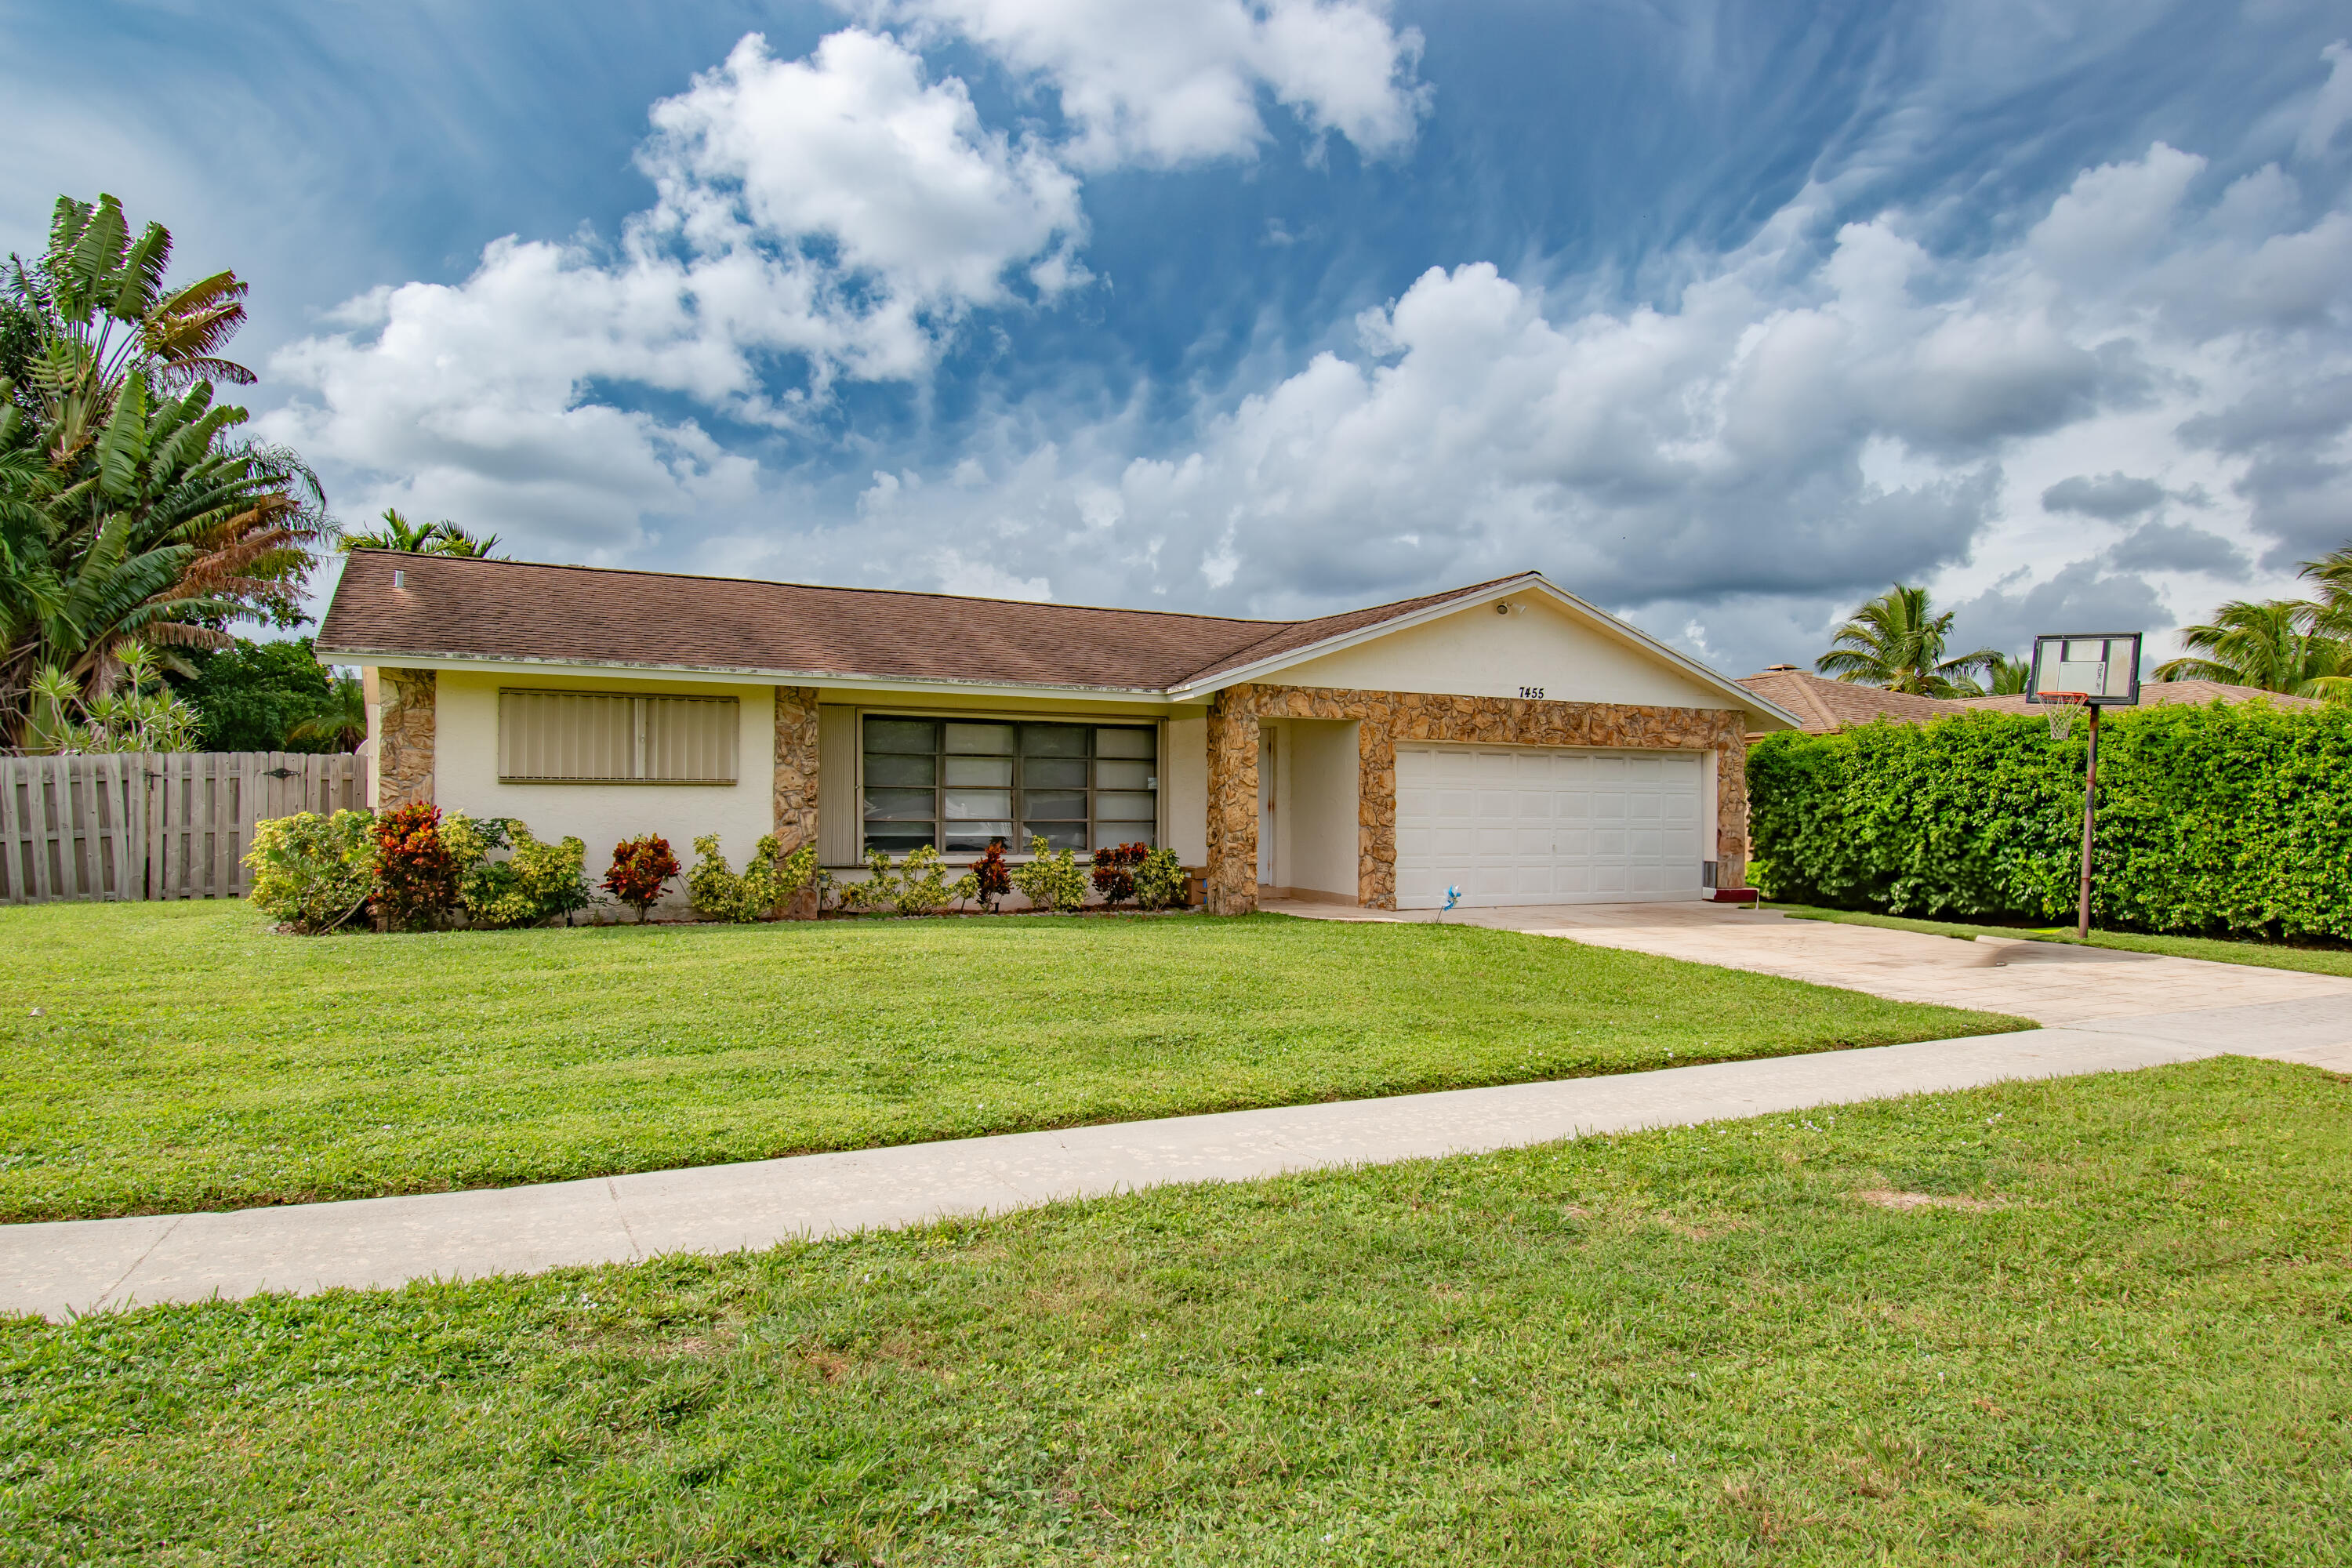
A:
(416, 874)
(642, 867)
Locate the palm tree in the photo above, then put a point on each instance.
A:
(2279, 646)
(442, 538)
(2007, 677)
(2333, 573)
(344, 721)
(1896, 641)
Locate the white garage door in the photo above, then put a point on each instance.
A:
(1532, 825)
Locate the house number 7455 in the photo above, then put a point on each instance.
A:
(1535, 693)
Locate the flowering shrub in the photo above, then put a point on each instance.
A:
(416, 874)
(1161, 882)
(1052, 879)
(991, 878)
(313, 872)
(1114, 873)
(641, 869)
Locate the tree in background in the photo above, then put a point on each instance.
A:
(442, 538)
(2300, 647)
(341, 725)
(2333, 573)
(132, 511)
(271, 696)
(2007, 677)
(2275, 646)
(1896, 641)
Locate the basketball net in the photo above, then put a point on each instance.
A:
(2062, 706)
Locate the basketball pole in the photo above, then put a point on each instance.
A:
(2090, 806)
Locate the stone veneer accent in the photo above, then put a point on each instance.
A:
(1385, 718)
(796, 790)
(404, 750)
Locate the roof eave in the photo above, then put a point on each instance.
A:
(415, 658)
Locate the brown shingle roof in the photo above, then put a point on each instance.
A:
(460, 608)
(1825, 705)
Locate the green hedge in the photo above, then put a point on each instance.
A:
(2223, 818)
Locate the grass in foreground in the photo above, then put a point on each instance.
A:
(2215, 950)
(156, 1058)
(2097, 1321)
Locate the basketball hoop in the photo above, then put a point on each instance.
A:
(2062, 706)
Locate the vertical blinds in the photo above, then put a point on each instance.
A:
(579, 736)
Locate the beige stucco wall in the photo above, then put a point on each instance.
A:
(1478, 653)
(466, 775)
(1185, 789)
(1316, 838)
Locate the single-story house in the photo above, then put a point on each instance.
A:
(1506, 737)
(1821, 705)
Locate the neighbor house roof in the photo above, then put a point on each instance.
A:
(2159, 694)
(458, 608)
(1825, 705)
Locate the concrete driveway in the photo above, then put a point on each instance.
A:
(2242, 1008)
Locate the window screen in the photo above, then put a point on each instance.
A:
(962, 784)
(580, 737)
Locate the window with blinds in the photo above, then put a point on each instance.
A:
(583, 737)
(961, 786)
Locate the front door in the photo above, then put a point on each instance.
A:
(1265, 803)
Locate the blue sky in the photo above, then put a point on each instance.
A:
(1726, 316)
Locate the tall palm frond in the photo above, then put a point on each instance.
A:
(1898, 641)
(2275, 646)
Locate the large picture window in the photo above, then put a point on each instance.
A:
(588, 737)
(960, 785)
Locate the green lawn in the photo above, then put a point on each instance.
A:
(156, 1058)
(2260, 954)
(2116, 1334)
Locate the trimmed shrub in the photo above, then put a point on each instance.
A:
(313, 872)
(641, 869)
(768, 879)
(712, 887)
(922, 882)
(1160, 881)
(536, 882)
(416, 874)
(2226, 818)
(1051, 880)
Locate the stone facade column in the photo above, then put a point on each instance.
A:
(1731, 812)
(1233, 802)
(795, 780)
(403, 752)
(1376, 809)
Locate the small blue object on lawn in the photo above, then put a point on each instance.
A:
(1452, 897)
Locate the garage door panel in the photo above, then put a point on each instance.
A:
(1525, 825)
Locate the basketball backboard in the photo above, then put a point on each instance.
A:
(2103, 666)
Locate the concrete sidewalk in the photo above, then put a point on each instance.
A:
(86, 1264)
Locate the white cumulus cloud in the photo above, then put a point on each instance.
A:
(1162, 83)
(837, 215)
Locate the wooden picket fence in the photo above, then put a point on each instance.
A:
(150, 826)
